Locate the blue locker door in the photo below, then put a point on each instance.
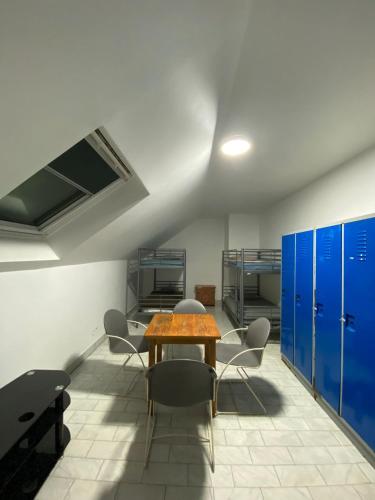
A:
(304, 303)
(358, 401)
(287, 296)
(328, 304)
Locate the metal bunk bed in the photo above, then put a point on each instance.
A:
(241, 297)
(155, 292)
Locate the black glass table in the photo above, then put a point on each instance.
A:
(32, 433)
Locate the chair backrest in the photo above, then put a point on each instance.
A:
(115, 324)
(257, 335)
(189, 306)
(181, 382)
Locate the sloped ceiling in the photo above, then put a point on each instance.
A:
(170, 79)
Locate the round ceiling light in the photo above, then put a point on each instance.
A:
(236, 147)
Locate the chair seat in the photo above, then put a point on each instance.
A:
(138, 341)
(225, 352)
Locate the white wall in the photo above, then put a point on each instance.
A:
(243, 231)
(204, 241)
(50, 316)
(344, 193)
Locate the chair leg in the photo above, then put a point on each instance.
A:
(245, 379)
(211, 434)
(126, 360)
(149, 430)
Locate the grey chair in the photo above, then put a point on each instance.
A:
(180, 383)
(189, 306)
(246, 355)
(121, 342)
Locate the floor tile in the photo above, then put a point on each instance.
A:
(166, 473)
(188, 493)
(83, 404)
(243, 437)
(299, 475)
(74, 430)
(121, 471)
(189, 454)
(311, 455)
(202, 475)
(228, 455)
(319, 423)
(286, 494)
(256, 423)
(91, 490)
(281, 438)
(365, 491)
(334, 493)
(343, 474)
(270, 455)
(226, 422)
(254, 475)
(318, 438)
(77, 468)
(130, 433)
(345, 454)
(238, 494)
(97, 432)
(78, 448)
(289, 423)
(54, 488)
(139, 492)
(369, 471)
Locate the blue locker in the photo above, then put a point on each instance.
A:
(328, 310)
(304, 303)
(287, 296)
(358, 401)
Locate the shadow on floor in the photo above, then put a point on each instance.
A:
(124, 456)
(234, 397)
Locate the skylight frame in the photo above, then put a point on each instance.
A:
(122, 170)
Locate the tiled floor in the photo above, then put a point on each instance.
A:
(295, 452)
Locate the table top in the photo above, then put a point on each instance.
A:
(192, 326)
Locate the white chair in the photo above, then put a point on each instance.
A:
(189, 306)
(244, 356)
(121, 342)
(180, 383)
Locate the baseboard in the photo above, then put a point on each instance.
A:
(73, 365)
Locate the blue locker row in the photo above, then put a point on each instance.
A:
(328, 321)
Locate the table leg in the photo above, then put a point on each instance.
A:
(159, 352)
(212, 361)
(207, 353)
(151, 353)
(212, 354)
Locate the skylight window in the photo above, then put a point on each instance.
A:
(82, 171)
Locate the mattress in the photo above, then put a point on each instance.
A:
(255, 265)
(167, 263)
(253, 307)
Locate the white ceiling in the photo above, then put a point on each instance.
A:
(169, 80)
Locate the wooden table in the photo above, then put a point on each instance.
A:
(183, 329)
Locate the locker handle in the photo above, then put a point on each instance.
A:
(298, 297)
(349, 322)
(318, 309)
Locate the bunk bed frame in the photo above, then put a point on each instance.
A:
(242, 301)
(165, 294)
